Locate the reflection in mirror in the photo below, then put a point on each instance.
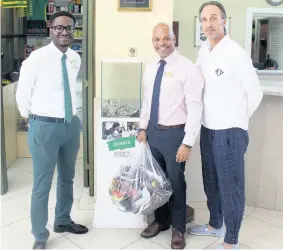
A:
(267, 46)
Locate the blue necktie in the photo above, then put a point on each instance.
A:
(67, 93)
(156, 94)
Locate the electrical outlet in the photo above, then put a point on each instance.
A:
(132, 52)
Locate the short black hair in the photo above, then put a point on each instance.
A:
(62, 13)
(217, 4)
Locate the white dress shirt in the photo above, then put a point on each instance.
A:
(232, 89)
(40, 87)
(180, 99)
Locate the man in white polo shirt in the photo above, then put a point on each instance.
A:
(231, 95)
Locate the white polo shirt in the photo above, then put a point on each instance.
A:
(232, 89)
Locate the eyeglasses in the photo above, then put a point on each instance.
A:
(61, 28)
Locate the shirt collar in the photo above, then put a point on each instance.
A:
(168, 59)
(57, 52)
(220, 43)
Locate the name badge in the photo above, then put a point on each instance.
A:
(168, 73)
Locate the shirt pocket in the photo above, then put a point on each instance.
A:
(172, 87)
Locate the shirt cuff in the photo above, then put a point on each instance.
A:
(24, 114)
(143, 124)
(190, 139)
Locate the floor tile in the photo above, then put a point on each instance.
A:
(260, 235)
(79, 166)
(249, 210)
(143, 244)
(62, 243)
(12, 212)
(104, 239)
(278, 222)
(79, 180)
(261, 217)
(198, 204)
(19, 182)
(24, 164)
(18, 235)
(25, 199)
(86, 202)
(201, 216)
(277, 214)
(263, 211)
(220, 241)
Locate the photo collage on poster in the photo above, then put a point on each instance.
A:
(112, 130)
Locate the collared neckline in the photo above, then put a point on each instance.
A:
(219, 44)
(59, 52)
(168, 58)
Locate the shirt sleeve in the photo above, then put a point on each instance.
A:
(193, 98)
(251, 83)
(144, 117)
(25, 86)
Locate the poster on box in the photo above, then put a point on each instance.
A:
(116, 147)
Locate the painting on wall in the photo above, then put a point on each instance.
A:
(200, 38)
(134, 5)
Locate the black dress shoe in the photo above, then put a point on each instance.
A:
(72, 227)
(39, 245)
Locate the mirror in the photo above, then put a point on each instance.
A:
(266, 44)
(264, 36)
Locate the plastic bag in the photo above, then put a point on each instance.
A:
(140, 187)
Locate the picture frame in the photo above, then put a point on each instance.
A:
(134, 5)
(200, 38)
(176, 32)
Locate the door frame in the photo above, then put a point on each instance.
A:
(88, 93)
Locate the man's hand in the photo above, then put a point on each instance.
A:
(183, 153)
(142, 136)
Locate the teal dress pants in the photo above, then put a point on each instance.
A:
(52, 141)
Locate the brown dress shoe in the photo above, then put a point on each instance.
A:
(178, 240)
(154, 229)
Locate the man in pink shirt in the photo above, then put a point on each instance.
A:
(170, 122)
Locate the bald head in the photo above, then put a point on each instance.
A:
(163, 39)
(164, 27)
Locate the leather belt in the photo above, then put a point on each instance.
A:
(47, 119)
(164, 127)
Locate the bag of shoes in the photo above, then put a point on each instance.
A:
(140, 187)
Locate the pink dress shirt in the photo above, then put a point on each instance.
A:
(180, 95)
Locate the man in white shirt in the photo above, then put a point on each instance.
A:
(231, 95)
(46, 95)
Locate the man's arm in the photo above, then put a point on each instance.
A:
(26, 84)
(193, 97)
(248, 75)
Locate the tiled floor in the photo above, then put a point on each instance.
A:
(261, 229)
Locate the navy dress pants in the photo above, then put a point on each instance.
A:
(164, 145)
(222, 154)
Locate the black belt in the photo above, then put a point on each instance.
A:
(47, 119)
(163, 127)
